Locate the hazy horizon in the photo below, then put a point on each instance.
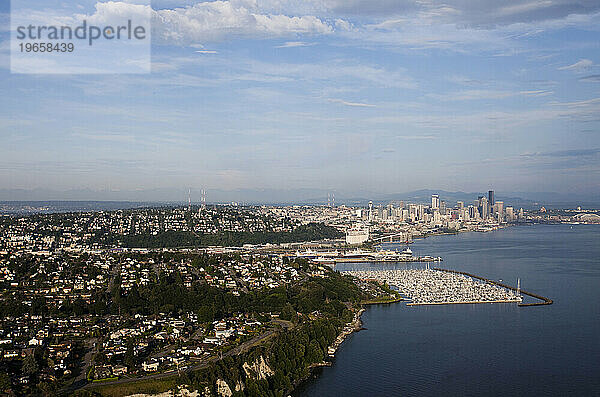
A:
(291, 196)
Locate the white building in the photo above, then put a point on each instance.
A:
(357, 236)
(435, 201)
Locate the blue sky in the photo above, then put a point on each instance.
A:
(382, 96)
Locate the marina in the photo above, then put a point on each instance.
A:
(438, 287)
(543, 299)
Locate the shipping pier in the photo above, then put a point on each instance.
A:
(358, 255)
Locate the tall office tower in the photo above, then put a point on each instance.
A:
(401, 204)
(484, 209)
(491, 200)
(385, 214)
(370, 210)
(499, 207)
(435, 201)
(442, 207)
(472, 212)
(510, 214)
(412, 212)
(460, 205)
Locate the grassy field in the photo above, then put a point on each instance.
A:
(382, 299)
(149, 386)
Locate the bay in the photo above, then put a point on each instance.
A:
(484, 349)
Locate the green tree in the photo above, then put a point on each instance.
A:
(130, 360)
(5, 383)
(30, 365)
(288, 313)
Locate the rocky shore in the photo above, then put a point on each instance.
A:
(351, 327)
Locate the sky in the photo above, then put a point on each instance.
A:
(377, 96)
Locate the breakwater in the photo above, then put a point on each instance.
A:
(545, 301)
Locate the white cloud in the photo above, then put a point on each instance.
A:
(524, 7)
(342, 24)
(594, 78)
(578, 66)
(497, 121)
(424, 30)
(213, 21)
(481, 13)
(291, 44)
(206, 52)
(353, 104)
(467, 95)
(536, 93)
(341, 71)
(116, 12)
(408, 23)
(219, 20)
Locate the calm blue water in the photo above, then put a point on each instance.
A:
(489, 349)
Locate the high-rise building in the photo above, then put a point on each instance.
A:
(499, 207)
(484, 209)
(442, 207)
(472, 212)
(405, 214)
(435, 201)
(510, 214)
(491, 199)
(460, 205)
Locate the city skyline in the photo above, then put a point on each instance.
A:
(352, 97)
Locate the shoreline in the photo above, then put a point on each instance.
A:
(355, 325)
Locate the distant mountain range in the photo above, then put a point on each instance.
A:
(110, 199)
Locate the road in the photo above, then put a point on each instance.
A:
(233, 352)
(81, 379)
